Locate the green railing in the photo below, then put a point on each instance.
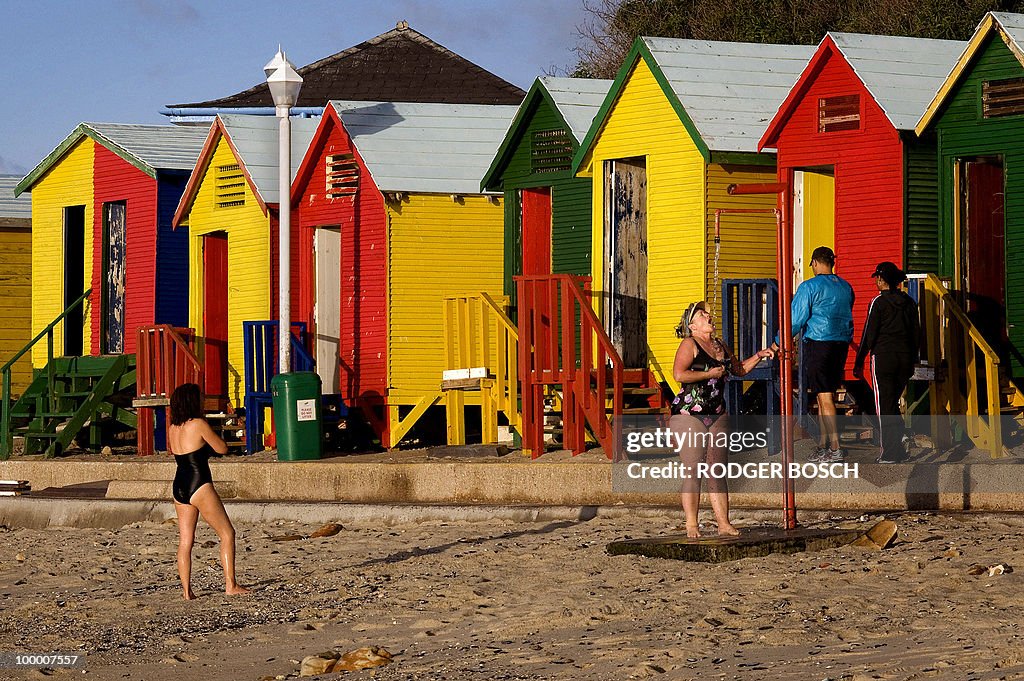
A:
(6, 437)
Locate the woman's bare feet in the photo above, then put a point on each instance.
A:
(190, 595)
(692, 531)
(236, 590)
(727, 529)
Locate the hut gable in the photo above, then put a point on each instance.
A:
(724, 93)
(567, 105)
(1008, 27)
(401, 65)
(253, 141)
(150, 148)
(425, 148)
(898, 75)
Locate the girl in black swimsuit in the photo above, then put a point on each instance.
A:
(193, 490)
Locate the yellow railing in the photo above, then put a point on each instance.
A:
(954, 341)
(478, 334)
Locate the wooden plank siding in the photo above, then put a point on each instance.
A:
(570, 202)
(869, 178)
(747, 240)
(68, 183)
(16, 299)
(921, 203)
(963, 133)
(249, 281)
(436, 247)
(114, 179)
(361, 218)
(172, 274)
(642, 122)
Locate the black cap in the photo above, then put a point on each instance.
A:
(890, 273)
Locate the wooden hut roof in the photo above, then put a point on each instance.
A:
(724, 93)
(424, 147)
(149, 148)
(575, 100)
(399, 65)
(901, 74)
(1008, 26)
(11, 206)
(254, 142)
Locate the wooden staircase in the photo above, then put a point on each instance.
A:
(72, 395)
(569, 367)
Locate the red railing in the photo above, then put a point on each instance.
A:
(562, 342)
(165, 359)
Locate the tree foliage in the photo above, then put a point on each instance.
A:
(611, 26)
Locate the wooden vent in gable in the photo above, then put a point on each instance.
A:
(550, 151)
(230, 186)
(1002, 98)
(342, 175)
(839, 113)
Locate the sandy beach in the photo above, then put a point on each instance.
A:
(497, 600)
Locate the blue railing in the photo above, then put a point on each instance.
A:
(261, 365)
(750, 313)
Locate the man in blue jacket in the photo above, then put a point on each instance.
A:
(823, 311)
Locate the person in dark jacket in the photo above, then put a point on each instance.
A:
(891, 335)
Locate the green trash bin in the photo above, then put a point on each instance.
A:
(298, 423)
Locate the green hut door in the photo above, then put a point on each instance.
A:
(625, 257)
(983, 246)
(536, 207)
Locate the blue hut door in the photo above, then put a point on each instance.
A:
(74, 279)
(114, 279)
(625, 257)
(327, 308)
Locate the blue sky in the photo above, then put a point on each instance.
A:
(124, 60)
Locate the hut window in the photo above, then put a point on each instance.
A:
(550, 151)
(230, 186)
(839, 113)
(342, 172)
(1002, 97)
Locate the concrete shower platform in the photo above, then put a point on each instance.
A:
(751, 543)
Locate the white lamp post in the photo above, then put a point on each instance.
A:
(285, 83)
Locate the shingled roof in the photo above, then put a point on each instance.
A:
(402, 65)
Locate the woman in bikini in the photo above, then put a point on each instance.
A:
(192, 441)
(702, 365)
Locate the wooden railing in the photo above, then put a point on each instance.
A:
(6, 436)
(165, 359)
(954, 342)
(562, 342)
(478, 334)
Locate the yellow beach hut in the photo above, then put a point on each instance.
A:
(680, 124)
(230, 209)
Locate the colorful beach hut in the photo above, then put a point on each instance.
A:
(389, 197)
(102, 203)
(977, 117)
(679, 125)
(547, 208)
(860, 180)
(15, 280)
(229, 207)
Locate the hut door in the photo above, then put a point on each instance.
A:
(625, 257)
(327, 308)
(74, 278)
(537, 231)
(814, 211)
(983, 247)
(215, 314)
(113, 300)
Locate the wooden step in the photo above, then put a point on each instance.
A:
(645, 410)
